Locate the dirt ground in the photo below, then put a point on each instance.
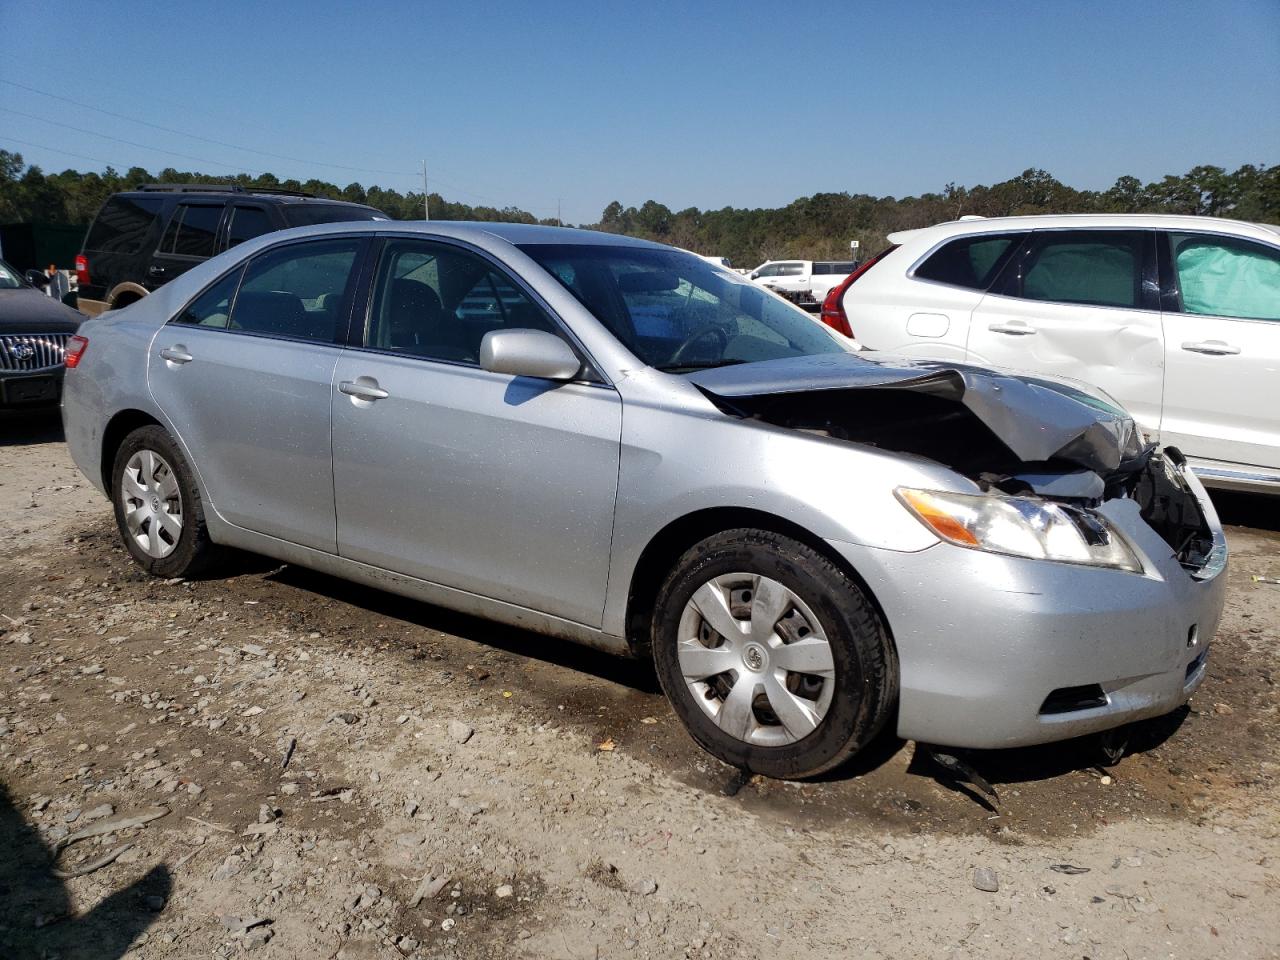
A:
(345, 774)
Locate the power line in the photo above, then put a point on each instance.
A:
(130, 143)
(196, 136)
(80, 156)
(232, 146)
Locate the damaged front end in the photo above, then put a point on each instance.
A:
(1025, 437)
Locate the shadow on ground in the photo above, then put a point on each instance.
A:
(1247, 509)
(18, 427)
(38, 918)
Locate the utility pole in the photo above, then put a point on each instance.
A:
(558, 221)
(426, 197)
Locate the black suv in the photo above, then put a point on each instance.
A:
(144, 238)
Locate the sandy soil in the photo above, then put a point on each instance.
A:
(550, 790)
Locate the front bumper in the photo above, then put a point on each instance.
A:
(983, 640)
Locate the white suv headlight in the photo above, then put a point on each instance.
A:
(1021, 527)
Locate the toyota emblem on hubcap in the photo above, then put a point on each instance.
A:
(753, 657)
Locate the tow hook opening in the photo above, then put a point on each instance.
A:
(1070, 699)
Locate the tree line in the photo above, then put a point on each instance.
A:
(816, 228)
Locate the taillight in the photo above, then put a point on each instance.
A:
(833, 314)
(82, 268)
(75, 350)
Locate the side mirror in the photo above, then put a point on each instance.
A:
(528, 353)
(37, 278)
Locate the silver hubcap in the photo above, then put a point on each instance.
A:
(152, 503)
(756, 659)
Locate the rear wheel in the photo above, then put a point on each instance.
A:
(157, 505)
(773, 657)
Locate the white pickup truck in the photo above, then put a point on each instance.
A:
(805, 282)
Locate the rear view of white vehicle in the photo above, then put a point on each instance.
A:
(1177, 317)
(803, 282)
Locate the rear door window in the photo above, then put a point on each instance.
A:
(1226, 277)
(213, 307)
(247, 223)
(123, 224)
(301, 291)
(192, 230)
(1090, 267)
(969, 262)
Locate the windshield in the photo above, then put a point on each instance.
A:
(677, 312)
(8, 277)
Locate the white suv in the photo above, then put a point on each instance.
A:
(1177, 317)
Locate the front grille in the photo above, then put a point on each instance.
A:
(32, 351)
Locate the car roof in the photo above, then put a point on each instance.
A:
(267, 195)
(520, 234)
(1080, 221)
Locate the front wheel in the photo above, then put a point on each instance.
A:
(772, 656)
(157, 505)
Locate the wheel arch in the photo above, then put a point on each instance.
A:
(666, 547)
(118, 427)
(124, 294)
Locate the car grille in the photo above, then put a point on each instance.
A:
(32, 351)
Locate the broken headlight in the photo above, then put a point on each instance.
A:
(1021, 527)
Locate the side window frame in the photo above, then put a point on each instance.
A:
(228, 221)
(351, 296)
(1016, 250)
(176, 217)
(362, 313)
(1009, 282)
(1170, 288)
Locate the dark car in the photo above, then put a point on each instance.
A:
(34, 330)
(143, 238)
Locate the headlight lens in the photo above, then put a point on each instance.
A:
(1021, 527)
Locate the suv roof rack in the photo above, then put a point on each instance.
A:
(218, 188)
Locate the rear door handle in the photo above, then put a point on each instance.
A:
(1214, 348)
(363, 388)
(1013, 329)
(176, 354)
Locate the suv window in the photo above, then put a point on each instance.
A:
(1226, 277)
(307, 214)
(297, 291)
(212, 307)
(247, 223)
(970, 262)
(1099, 268)
(192, 230)
(437, 302)
(123, 223)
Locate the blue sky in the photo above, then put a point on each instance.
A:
(692, 104)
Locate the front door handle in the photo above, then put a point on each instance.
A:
(1214, 348)
(176, 354)
(156, 270)
(1015, 329)
(363, 388)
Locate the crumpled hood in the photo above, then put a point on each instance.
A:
(1038, 419)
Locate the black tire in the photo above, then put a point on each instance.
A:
(193, 552)
(865, 663)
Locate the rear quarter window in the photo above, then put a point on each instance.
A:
(124, 224)
(970, 262)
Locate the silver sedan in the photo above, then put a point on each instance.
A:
(618, 443)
